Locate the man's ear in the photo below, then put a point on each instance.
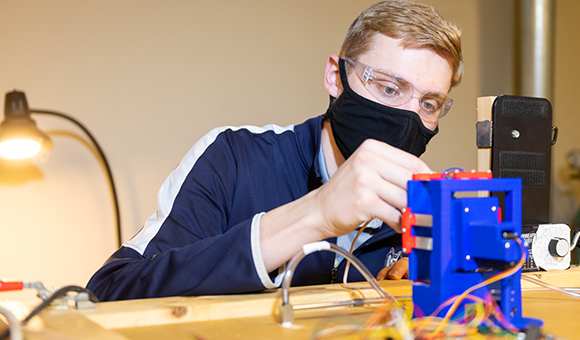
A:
(332, 77)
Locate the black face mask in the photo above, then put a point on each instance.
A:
(354, 119)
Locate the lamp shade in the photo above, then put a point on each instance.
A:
(19, 136)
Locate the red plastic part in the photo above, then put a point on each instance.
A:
(11, 285)
(453, 175)
(408, 220)
(472, 175)
(427, 177)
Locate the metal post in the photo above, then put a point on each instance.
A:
(537, 43)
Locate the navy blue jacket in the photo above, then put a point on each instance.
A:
(200, 239)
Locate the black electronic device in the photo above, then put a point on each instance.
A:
(522, 136)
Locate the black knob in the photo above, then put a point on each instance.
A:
(558, 247)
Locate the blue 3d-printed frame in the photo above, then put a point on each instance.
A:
(455, 242)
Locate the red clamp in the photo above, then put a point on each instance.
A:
(11, 285)
(408, 220)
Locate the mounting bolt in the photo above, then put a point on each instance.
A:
(515, 134)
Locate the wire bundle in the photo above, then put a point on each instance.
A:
(388, 320)
(431, 327)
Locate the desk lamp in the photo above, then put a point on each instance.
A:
(20, 138)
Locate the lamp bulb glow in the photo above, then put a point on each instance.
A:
(19, 148)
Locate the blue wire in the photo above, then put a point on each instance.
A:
(451, 170)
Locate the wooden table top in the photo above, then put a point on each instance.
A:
(255, 316)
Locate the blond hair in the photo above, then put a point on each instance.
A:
(417, 25)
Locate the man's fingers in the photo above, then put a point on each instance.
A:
(400, 269)
(397, 156)
(383, 273)
(396, 272)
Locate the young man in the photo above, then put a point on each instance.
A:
(244, 200)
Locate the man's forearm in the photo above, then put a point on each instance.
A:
(284, 230)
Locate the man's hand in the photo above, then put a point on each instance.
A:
(372, 183)
(396, 272)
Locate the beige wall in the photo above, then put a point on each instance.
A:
(566, 192)
(149, 78)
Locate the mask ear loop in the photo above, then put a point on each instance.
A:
(344, 76)
(346, 269)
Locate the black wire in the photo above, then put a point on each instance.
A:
(105, 162)
(58, 294)
(5, 334)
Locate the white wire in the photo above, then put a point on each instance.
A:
(575, 241)
(347, 267)
(549, 286)
(13, 324)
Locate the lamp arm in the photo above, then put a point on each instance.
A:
(105, 162)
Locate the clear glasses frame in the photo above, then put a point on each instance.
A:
(395, 91)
